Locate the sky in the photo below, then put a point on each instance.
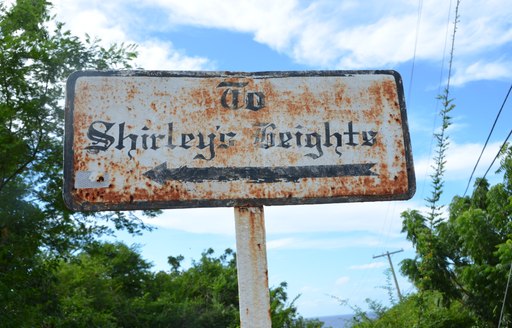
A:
(325, 252)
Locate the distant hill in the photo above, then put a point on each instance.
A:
(340, 321)
(336, 321)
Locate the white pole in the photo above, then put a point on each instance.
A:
(251, 261)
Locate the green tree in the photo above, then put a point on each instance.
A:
(284, 314)
(482, 226)
(418, 310)
(431, 269)
(474, 246)
(36, 56)
(204, 295)
(102, 286)
(110, 285)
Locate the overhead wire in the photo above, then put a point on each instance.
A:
(388, 217)
(505, 297)
(495, 158)
(437, 177)
(487, 140)
(447, 33)
(418, 23)
(510, 271)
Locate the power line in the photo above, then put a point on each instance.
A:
(495, 157)
(418, 23)
(488, 137)
(447, 33)
(505, 296)
(442, 138)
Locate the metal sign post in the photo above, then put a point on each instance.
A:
(172, 139)
(251, 259)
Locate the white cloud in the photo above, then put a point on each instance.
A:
(92, 18)
(112, 23)
(323, 33)
(342, 281)
(281, 243)
(379, 220)
(158, 55)
(320, 242)
(460, 160)
(484, 25)
(335, 34)
(201, 221)
(323, 243)
(369, 266)
(483, 70)
(271, 22)
(310, 289)
(8, 3)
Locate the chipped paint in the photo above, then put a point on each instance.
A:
(151, 139)
(251, 262)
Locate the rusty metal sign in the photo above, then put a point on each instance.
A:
(169, 139)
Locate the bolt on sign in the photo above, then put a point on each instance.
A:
(171, 139)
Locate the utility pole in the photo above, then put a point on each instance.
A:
(392, 270)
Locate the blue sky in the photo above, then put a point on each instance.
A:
(325, 252)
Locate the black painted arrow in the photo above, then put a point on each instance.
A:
(161, 173)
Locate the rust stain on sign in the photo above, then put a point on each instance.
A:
(148, 139)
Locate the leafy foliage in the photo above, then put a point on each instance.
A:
(98, 286)
(470, 253)
(36, 56)
(440, 160)
(53, 272)
(430, 270)
(465, 280)
(110, 285)
(462, 261)
(285, 314)
(205, 295)
(418, 310)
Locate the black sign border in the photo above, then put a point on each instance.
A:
(69, 182)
